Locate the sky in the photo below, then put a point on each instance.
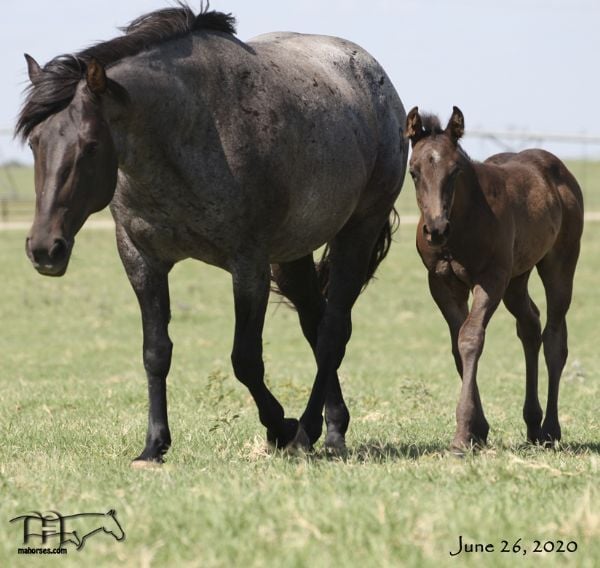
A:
(520, 65)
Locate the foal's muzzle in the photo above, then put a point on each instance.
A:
(49, 256)
(437, 232)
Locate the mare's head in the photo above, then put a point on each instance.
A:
(434, 165)
(75, 159)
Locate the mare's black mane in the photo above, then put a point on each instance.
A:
(55, 88)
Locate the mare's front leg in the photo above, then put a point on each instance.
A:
(251, 286)
(149, 280)
(472, 427)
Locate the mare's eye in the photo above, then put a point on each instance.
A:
(30, 145)
(90, 148)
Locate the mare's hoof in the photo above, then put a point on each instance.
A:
(294, 439)
(534, 436)
(300, 444)
(335, 445)
(146, 464)
(286, 437)
(549, 437)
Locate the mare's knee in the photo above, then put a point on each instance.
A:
(157, 357)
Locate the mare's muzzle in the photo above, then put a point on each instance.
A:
(49, 254)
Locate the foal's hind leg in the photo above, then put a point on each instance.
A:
(298, 281)
(520, 305)
(557, 275)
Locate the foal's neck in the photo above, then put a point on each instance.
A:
(467, 193)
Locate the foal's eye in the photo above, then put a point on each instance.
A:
(414, 175)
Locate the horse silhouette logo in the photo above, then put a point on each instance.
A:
(69, 529)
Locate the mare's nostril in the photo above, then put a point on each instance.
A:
(425, 230)
(58, 250)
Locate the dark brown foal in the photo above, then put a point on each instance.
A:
(483, 228)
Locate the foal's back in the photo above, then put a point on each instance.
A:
(544, 204)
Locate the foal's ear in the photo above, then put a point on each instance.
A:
(456, 125)
(33, 69)
(95, 77)
(414, 126)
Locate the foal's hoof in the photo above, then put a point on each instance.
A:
(461, 447)
(335, 445)
(292, 438)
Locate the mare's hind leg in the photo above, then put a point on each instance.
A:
(557, 274)
(529, 331)
(349, 258)
(298, 281)
(251, 285)
(151, 286)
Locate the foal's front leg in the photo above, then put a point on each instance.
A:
(472, 427)
(150, 283)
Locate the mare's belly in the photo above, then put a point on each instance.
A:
(310, 226)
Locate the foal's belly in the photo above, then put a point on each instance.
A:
(534, 237)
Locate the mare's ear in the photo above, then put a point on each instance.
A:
(95, 77)
(33, 69)
(456, 125)
(414, 126)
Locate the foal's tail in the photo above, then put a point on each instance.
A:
(380, 250)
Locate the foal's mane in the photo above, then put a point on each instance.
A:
(432, 127)
(55, 88)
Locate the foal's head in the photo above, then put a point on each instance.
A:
(75, 160)
(434, 166)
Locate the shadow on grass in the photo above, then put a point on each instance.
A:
(573, 448)
(580, 448)
(373, 451)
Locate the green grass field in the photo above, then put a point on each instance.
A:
(73, 414)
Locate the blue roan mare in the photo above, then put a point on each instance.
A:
(247, 156)
(483, 228)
